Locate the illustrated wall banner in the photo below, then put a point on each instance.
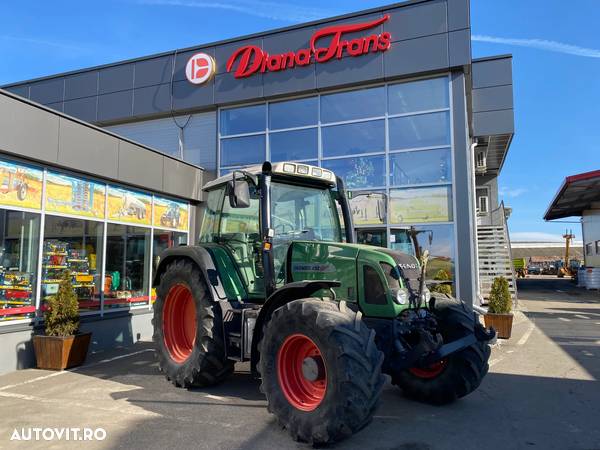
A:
(70, 195)
(129, 206)
(20, 185)
(431, 204)
(170, 214)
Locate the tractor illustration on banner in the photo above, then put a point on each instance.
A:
(171, 217)
(13, 180)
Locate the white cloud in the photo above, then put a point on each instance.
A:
(511, 193)
(540, 44)
(264, 9)
(535, 236)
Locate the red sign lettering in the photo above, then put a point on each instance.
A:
(252, 59)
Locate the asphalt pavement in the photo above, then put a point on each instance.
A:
(542, 392)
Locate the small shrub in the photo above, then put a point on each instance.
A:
(442, 275)
(500, 301)
(62, 316)
(442, 289)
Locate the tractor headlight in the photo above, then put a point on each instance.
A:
(400, 296)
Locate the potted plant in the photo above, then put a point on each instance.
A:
(62, 346)
(499, 314)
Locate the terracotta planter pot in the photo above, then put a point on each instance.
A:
(502, 323)
(58, 353)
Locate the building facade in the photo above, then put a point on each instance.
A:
(390, 99)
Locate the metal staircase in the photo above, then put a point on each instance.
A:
(495, 259)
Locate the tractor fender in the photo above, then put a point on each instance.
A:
(199, 256)
(285, 294)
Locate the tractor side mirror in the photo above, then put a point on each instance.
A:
(239, 193)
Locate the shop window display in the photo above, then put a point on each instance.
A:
(73, 245)
(163, 240)
(19, 240)
(127, 274)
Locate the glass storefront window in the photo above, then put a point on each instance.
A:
(73, 245)
(243, 151)
(421, 95)
(424, 130)
(420, 205)
(247, 119)
(19, 240)
(359, 172)
(294, 145)
(294, 113)
(421, 167)
(127, 274)
(351, 105)
(354, 138)
(438, 239)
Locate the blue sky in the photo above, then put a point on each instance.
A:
(556, 67)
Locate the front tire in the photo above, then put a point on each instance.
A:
(455, 376)
(188, 334)
(320, 370)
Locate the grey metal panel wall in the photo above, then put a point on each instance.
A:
(491, 182)
(200, 137)
(61, 141)
(492, 96)
(427, 36)
(464, 195)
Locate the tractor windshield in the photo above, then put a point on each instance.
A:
(303, 213)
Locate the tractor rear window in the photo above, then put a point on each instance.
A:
(375, 293)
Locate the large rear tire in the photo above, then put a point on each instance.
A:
(188, 330)
(320, 370)
(455, 376)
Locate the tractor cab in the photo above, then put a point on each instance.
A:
(258, 212)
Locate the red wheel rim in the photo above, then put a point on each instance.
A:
(429, 372)
(179, 323)
(298, 357)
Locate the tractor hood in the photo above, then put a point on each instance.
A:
(343, 262)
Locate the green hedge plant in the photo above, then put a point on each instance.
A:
(62, 316)
(500, 301)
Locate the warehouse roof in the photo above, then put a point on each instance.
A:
(576, 194)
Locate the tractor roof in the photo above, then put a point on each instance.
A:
(297, 172)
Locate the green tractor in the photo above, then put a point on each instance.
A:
(277, 281)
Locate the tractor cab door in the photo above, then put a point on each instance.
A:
(238, 231)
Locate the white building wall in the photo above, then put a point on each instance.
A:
(590, 222)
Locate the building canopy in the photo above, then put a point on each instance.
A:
(576, 194)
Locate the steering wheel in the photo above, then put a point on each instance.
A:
(280, 228)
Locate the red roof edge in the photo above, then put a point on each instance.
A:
(582, 176)
(565, 184)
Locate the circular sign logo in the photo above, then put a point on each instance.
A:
(200, 68)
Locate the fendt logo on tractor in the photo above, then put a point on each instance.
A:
(277, 281)
(252, 59)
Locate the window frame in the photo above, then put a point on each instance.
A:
(385, 185)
